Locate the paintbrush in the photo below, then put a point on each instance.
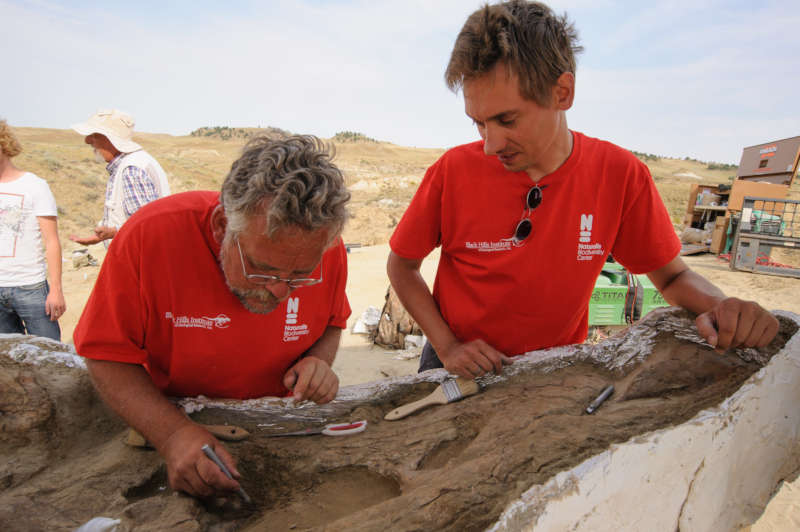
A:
(447, 392)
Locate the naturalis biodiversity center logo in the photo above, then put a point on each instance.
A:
(292, 331)
(204, 322)
(586, 249)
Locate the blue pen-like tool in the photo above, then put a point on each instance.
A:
(214, 458)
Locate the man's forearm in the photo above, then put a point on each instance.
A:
(326, 347)
(416, 297)
(129, 391)
(685, 288)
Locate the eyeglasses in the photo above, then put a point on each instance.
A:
(532, 200)
(269, 279)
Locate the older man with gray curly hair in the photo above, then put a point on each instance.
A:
(238, 294)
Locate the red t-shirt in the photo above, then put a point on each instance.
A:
(536, 295)
(161, 301)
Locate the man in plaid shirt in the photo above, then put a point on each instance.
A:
(135, 177)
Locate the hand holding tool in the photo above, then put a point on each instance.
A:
(338, 429)
(214, 458)
(450, 390)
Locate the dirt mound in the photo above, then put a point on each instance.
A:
(455, 467)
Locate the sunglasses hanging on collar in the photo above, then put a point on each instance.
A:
(525, 226)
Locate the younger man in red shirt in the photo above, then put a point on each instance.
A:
(527, 216)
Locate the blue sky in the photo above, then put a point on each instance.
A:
(678, 78)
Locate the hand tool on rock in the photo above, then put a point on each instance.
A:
(450, 390)
(214, 458)
(605, 394)
(223, 432)
(337, 429)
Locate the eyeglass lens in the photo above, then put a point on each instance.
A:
(525, 226)
(523, 229)
(534, 197)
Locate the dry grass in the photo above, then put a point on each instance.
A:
(382, 176)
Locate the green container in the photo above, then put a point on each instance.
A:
(652, 297)
(607, 304)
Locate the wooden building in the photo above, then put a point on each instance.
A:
(773, 162)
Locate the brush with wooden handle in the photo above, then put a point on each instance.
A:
(449, 391)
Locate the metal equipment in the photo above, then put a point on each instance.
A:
(767, 238)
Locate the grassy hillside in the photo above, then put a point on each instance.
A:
(382, 176)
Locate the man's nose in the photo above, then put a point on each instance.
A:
(493, 140)
(280, 289)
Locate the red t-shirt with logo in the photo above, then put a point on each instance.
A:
(161, 301)
(535, 295)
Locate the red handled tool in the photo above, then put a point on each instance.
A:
(338, 429)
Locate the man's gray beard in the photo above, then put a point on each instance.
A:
(243, 296)
(263, 296)
(98, 157)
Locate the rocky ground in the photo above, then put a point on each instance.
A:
(453, 467)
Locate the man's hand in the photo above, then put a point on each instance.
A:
(473, 359)
(85, 240)
(190, 470)
(54, 305)
(736, 323)
(313, 379)
(104, 232)
(101, 232)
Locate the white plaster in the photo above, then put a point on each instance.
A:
(39, 350)
(715, 472)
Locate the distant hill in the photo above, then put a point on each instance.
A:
(245, 133)
(229, 133)
(352, 136)
(649, 157)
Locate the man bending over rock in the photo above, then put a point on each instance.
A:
(238, 294)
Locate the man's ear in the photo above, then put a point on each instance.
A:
(219, 222)
(564, 91)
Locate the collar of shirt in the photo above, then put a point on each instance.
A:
(112, 166)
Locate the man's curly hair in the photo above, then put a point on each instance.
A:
(291, 181)
(9, 144)
(534, 42)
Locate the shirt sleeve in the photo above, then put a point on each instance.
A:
(138, 189)
(340, 308)
(44, 202)
(646, 240)
(111, 326)
(420, 229)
